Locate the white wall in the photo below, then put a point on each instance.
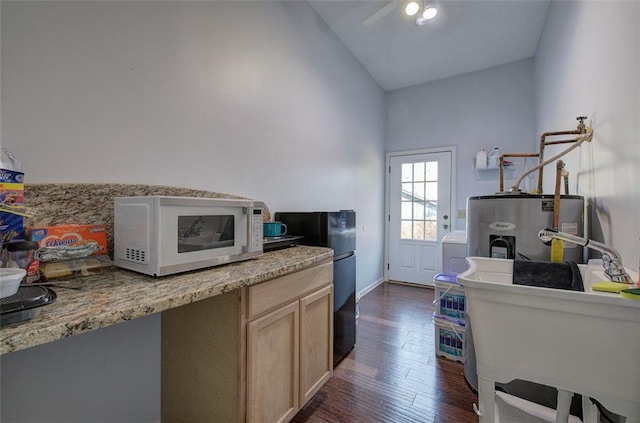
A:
(483, 109)
(258, 99)
(588, 63)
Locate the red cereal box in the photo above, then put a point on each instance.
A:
(61, 236)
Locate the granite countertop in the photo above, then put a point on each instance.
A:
(98, 301)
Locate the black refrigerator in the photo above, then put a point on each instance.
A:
(335, 230)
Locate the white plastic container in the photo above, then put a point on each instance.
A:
(10, 279)
(481, 159)
(449, 339)
(493, 160)
(449, 297)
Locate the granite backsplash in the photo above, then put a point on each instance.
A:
(58, 204)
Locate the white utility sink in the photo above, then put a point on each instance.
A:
(578, 342)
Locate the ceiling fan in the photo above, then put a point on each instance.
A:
(380, 13)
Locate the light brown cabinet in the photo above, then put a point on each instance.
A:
(273, 365)
(290, 348)
(316, 341)
(257, 354)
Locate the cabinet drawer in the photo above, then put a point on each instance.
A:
(271, 294)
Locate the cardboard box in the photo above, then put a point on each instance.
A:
(11, 194)
(70, 236)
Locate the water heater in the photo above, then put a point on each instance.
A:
(507, 225)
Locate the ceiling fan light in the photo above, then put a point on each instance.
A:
(430, 12)
(412, 8)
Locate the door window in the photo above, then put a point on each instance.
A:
(419, 201)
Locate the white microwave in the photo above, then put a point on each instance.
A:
(161, 235)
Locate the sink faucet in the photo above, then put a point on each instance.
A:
(611, 260)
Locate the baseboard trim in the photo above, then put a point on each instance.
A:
(368, 289)
(417, 285)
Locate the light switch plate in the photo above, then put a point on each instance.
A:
(462, 214)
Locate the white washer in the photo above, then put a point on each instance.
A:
(454, 252)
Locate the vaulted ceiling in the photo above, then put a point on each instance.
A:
(465, 36)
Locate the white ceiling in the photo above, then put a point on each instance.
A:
(466, 36)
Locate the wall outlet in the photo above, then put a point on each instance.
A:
(462, 214)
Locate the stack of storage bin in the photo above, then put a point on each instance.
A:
(449, 316)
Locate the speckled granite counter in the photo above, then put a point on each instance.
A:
(120, 295)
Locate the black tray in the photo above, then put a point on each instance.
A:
(278, 242)
(25, 304)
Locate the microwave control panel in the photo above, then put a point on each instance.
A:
(256, 230)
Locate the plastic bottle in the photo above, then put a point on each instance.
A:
(8, 161)
(481, 159)
(494, 158)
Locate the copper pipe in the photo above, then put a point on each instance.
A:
(562, 141)
(556, 196)
(543, 143)
(501, 166)
(587, 136)
(580, 130)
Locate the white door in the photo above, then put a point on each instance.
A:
(419, 215)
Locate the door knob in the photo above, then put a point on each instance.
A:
(445, 217)
(446, 226)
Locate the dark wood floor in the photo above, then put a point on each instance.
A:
(393, 374)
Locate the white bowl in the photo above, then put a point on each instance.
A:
(10, 279)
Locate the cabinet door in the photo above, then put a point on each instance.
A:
(273, 366)
(316, 341)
